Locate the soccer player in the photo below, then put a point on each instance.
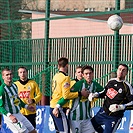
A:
(61, 88)
(10, 105)
(29, 92)
(80, 111)
(118, 97)
(78, 73)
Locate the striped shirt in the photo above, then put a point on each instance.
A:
(9, 100)
(81, 106)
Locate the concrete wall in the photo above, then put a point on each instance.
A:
(74, 27)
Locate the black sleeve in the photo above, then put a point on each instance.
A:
(102, 94)
(129, 107)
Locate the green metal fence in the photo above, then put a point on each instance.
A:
(102, 52)
(96, 51)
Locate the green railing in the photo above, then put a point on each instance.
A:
(96, 51)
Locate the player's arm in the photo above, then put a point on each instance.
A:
(66, 94)
(129, 96)
(2, 109)
(124, 106)
(70, 95)
(59, 104)
(62, 101)
(97, 94)
(73, 93)
(99, 88)
(65, 89)
(118, 107)
(38, 93)
(28, 107)
(2, 97)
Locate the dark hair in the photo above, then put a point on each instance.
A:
(23, 68)
(124, 66)
(62, 62)
(87, 67)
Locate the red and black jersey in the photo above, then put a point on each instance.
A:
(116, 92)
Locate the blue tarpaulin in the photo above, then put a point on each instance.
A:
(44, 121)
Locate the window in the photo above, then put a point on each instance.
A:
(75, 9)
(68, 9)
(109, 8)
(89, 9)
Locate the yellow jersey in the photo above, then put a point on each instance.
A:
(61, 89)
(26, 90)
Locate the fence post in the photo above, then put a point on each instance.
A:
(45, 99)
(116, 40)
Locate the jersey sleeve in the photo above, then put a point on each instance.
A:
(102, 94)
(62, 101)
(37, 92)
(71, 95)
(66, 90)
(2, 97)
(129, 97)
(99, 88)
(22, 104)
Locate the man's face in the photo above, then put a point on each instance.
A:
(7, 76)
(78, 73)
(121, 72)
(88, 75)
(22, 73)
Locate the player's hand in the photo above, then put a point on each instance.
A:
(67, 111)
(13, 118)
(92, 96)
(55, 112)
(30, 101)
(85, 92)
(31, 108)
(116, 107)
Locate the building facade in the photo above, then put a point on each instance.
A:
(75, 5)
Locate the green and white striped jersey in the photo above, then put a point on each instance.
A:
(9, 100)
(81, 106)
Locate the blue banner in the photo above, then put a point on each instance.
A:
(45, 124)
(124, 125)
(44, 121)
(4, 128)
